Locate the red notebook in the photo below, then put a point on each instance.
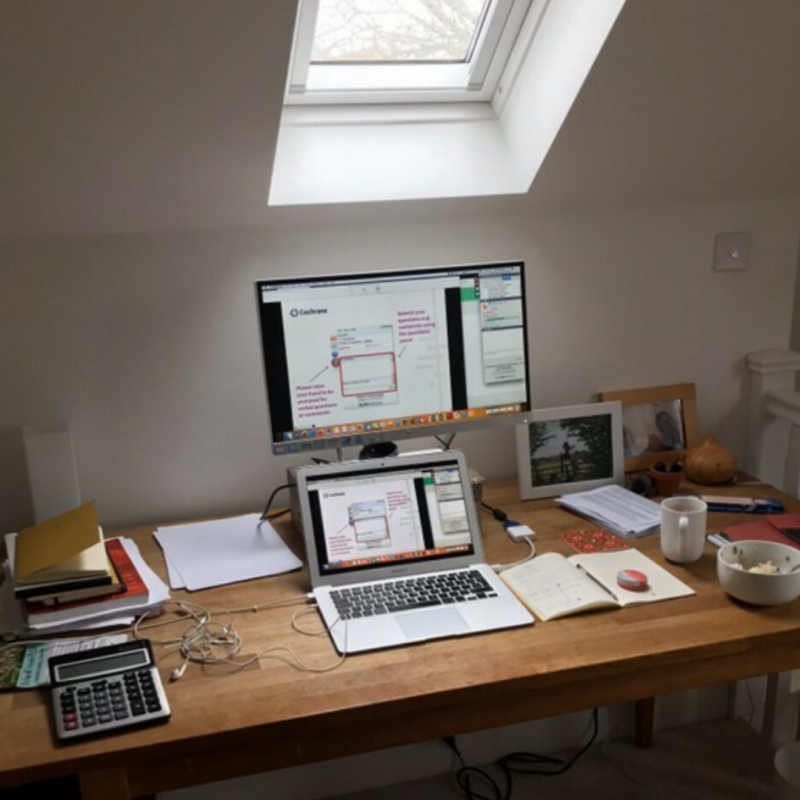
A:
(767, 529)
(135, 593)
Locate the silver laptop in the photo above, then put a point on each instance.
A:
(395, 555)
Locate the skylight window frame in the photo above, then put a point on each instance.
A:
(392, 83)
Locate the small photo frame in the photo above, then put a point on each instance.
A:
(659, 423)
(570, 449)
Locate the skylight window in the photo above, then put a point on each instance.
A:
(379, 51)
(523, 60)
(390, 31)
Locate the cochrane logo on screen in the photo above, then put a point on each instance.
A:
(304, 312)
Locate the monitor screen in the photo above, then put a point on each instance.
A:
(367, 358)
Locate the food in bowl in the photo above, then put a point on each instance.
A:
(761, 573)
(764, 568)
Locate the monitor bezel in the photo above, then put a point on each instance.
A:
(397, 435)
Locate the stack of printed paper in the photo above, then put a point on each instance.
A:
(617, 509)
(144, 592)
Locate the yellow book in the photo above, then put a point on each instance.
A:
(67, 546)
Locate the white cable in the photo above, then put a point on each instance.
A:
(498, 568)
(207, 641)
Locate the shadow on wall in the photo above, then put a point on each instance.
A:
(16, 502)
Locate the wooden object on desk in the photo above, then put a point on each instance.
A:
(683, 393)
(272, 716)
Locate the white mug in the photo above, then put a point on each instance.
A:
(683, 528)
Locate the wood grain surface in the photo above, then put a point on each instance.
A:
(227, 723)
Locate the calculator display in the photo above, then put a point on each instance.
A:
(82, 669)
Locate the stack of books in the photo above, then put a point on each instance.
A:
(62, 559)
(64, 573)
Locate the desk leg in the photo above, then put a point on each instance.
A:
(105, 784)
(770, 706)
(644, 715)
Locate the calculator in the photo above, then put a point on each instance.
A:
(106, 689)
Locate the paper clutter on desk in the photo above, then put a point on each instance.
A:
(221, 551)
(616, 509)
(144, 592)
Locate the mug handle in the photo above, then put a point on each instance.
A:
(683, 527)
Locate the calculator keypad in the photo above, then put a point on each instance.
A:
(117, 701)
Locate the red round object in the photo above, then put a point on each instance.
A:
(632, 579)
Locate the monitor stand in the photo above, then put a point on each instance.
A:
(378, 450)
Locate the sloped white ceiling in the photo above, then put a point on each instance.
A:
(126, 115)
(689, 101)
(144, 115)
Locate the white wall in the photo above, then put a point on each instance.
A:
(148, 347)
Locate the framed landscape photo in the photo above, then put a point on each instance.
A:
(570, 449)
(659, 423)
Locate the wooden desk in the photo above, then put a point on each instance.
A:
(272, 716)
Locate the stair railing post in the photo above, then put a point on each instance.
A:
(771, 371)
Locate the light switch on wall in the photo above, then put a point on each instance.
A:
(732, 251)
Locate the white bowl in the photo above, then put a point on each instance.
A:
(734, 561)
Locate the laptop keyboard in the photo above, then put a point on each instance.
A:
(406, 594)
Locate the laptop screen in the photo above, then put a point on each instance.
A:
(379, 517)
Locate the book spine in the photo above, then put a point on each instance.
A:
(128, 575)
(33, 590)
(127, 572)
(59, 598)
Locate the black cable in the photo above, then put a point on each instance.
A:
(265, 513)
(446, 444)
(466, 775)
(497, 513)
(526, 763)
(514, 764)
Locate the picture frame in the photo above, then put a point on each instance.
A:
(570, 449)
(659, 423)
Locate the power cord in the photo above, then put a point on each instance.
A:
(445, 441)
(470, 779)
(265, 515)
(498, 568)
(497, 513)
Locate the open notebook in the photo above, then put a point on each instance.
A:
(395, 554)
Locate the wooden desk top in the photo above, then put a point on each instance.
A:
(272, 715)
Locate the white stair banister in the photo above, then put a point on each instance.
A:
(773, 429)
(773, 455)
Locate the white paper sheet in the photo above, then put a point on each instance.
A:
(174, 576)
(618, 509)
(222, 551)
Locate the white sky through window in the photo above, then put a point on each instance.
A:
(387, 31)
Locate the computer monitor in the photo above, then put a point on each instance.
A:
(372, 358)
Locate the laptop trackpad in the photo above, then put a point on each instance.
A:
(433, 623)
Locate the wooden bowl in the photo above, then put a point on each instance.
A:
(666, 483)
